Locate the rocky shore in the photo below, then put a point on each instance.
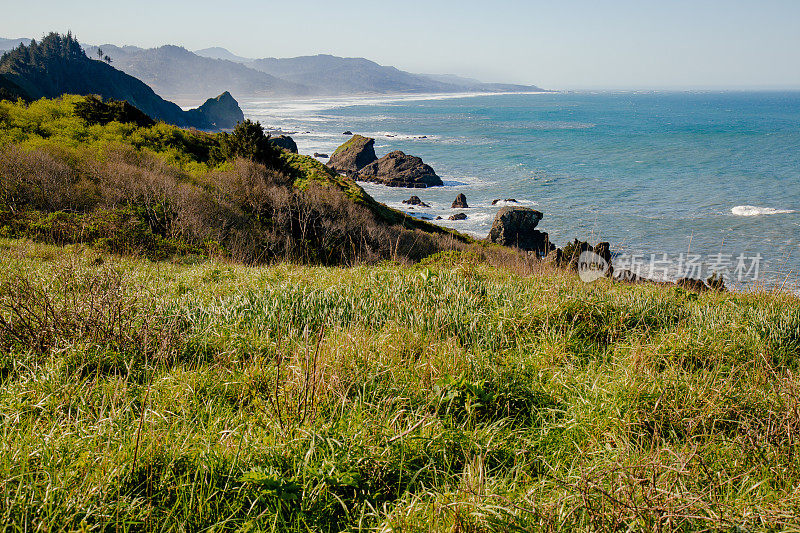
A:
(357, 159)
(514, 226)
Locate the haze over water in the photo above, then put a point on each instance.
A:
(652, 173)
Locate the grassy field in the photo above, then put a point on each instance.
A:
(447, 396)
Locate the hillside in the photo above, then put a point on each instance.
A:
(10, 44)
(332, 75)
(76, 170)
(58, 65)
(178, 74)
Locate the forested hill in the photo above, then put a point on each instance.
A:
(58, 65)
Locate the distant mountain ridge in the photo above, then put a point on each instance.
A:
(217, 52)
(58, 65)
(332, 75)
(10, 44)
(178, 74)
(188, 77)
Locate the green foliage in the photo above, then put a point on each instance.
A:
(139, 395)
(95, 111)
(187, 189)
(249, 141)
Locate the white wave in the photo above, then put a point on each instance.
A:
(401, 136)
(503, 203)
(753, 211)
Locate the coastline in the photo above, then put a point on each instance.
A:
(575, 198)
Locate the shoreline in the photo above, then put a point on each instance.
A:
(712, 226)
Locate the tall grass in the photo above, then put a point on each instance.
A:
(448, 396)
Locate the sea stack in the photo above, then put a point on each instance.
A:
(516, 226)
(353, 155)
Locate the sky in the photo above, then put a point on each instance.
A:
(556, 44)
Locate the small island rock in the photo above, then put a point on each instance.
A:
(460, 202)
(458, 216)
(415, 200)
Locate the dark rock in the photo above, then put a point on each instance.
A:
(438, 218)
(285, 142)
(348, 132)
(397, 169)
(353, 155)
(509, 200)
(572, 252)
(460, 202)
(716, 282)
(222, 112)
(691, 284)
(423, 137)
(515, 226)
(321, 156)
(603, 249)
(415, 200)
(458, 216)
(713, 283)
(628, 277)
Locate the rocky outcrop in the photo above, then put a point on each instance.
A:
(220, 113)
(348, 132)
(415, 200)
(460, 202)
(285, 142)
(516, 226)
(353, 155)
(396, 169)
(321, 156)
(458, 216)
(714, 283)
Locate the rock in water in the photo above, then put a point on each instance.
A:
(458, 216)
(397, 169)
(460, 202)
(353, 155)
(516, 226)
(415, 200)
(285, 142)
(222, 112)
(348, 132)
(321, 156)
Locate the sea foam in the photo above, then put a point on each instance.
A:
(753, 211)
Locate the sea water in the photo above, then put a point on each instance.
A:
(666, 178)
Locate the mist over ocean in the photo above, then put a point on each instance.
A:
(652, 173)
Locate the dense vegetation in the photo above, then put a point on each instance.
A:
(68, 175)
(448, 396)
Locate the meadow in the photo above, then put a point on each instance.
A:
(456, 394)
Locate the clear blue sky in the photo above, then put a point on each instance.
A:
(554, 43)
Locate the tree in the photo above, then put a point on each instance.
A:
(249, 141)
(99, 53)
(107, 59)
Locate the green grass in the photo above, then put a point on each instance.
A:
(447, 396)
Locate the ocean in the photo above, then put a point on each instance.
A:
(678, 183)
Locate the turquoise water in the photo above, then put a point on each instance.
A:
(653, 173)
